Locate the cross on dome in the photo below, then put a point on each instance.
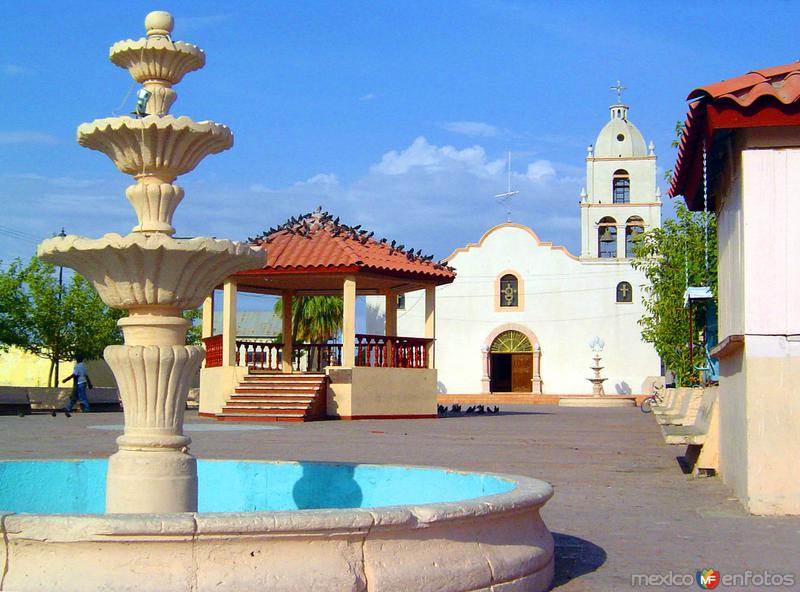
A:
(619, 88)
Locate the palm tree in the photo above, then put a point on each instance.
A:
(315, 319)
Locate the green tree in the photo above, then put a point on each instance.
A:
(12, 307)
(54, 321)
(315, 319)
(671, 257)
(195, 329)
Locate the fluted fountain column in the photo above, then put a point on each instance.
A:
(153, 276)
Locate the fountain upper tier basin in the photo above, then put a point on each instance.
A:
(157, 58)
(161, 146)
(366, 528)
(139, 270)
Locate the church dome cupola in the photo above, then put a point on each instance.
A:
(619, 138)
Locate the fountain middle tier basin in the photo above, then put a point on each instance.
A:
(278, 526)
(159, 145)
(151, 269)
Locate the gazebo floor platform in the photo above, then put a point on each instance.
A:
(276, 397)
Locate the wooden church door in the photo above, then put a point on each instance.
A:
(521, 372)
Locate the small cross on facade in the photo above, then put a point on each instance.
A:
(619, 88)
(624, 289)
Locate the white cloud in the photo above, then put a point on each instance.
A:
(437, 197)
(367, 97)
(421, 154)
(540, 170)
(472, 128)
(27, 137)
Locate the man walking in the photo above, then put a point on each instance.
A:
(81, 378)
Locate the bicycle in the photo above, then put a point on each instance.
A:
(655, 399)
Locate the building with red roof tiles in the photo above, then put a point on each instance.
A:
(363, 376)
(521, 312)
(740, 156)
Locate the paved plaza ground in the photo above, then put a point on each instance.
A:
(621, 506)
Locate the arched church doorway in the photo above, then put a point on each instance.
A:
(510, 363)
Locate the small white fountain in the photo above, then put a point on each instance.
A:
(598, 397)
(597, 346)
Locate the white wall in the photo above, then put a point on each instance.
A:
(566, 302)
(758, 292)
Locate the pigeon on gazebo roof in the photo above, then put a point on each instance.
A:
(306, 225)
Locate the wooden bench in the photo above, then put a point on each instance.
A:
(14, 400)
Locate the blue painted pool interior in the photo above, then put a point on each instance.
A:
(78, 486)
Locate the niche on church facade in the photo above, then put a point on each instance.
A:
(509, 294)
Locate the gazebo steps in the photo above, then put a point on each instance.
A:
(279, 376)
(277, 397)
(264, 417)
(292, 388)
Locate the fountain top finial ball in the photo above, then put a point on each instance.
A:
(159, 23)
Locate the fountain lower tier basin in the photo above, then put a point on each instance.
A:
(138, 270)
(278, 526)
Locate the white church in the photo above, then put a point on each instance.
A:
(521, 313)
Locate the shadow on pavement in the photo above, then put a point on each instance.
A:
(575, 557)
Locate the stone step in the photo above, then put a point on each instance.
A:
(268, 410)
(252, 417)
(274, 389)
(270, 399)
(294, 386)
(268, 404)
(303, 377)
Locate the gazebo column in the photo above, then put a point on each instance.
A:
(390, 322)
(349, 322)
(288, 341)
(208, 316)
(229, 322)
(430, 323)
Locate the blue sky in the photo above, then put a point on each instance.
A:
(393, 115)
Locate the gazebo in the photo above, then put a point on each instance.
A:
(363, 376)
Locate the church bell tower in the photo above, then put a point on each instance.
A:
(621, 198)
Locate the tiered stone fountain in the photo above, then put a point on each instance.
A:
(153, 276)
(143, 520)
(598, 398)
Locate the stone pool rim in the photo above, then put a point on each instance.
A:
(483, 544)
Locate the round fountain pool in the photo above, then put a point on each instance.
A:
(277, 526)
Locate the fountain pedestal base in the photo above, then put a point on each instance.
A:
(151, 481)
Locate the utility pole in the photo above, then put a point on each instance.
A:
(56, 351)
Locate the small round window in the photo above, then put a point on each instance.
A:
(620, 137)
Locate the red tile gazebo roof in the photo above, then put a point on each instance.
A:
(316, 243)
(761, 98)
